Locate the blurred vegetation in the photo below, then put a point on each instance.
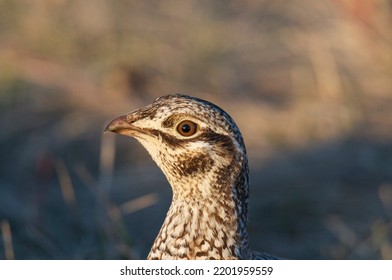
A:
(308, 82)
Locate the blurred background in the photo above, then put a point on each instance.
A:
(307, 81)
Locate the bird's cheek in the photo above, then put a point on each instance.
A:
(151, 146)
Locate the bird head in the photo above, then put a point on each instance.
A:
(196, 144)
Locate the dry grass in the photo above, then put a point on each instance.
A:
(308, 83)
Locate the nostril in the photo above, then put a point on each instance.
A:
(135, 116)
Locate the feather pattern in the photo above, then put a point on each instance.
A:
(201, 151)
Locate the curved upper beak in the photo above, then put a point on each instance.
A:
(122, 126)
(118, 124)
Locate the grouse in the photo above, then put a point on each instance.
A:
(201, 151)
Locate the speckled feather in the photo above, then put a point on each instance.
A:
(208, 173)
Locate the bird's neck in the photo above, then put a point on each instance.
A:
(198, 231)
(208, 214)
(204, 228)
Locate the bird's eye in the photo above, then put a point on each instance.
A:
(187, 128)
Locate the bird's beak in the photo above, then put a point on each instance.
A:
(121, 125)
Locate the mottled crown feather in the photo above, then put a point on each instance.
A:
(199, 107)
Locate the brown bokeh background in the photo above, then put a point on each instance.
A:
(307, 81)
